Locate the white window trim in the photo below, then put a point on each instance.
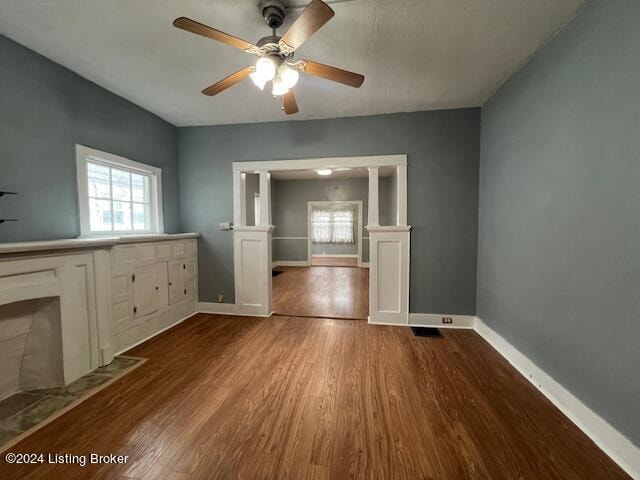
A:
(155, 190)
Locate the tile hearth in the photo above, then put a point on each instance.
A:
(25, 410)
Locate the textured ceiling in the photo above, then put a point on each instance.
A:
(415, 54)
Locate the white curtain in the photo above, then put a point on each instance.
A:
(332, 225)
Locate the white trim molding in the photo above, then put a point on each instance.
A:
(438, 320)
(85, 154)
(218, 308)
(606, 437)
(316, 163)
(290, 263)
(212, 308)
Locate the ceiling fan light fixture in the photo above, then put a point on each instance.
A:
(265, 69)
(258, 80)
(288, 75)
(324, 172)
(279, 87)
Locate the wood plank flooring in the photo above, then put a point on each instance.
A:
(296, 398)
(335, 292)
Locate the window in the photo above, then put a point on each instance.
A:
(117, 195)
(332, 225)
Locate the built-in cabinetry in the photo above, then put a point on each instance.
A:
(153, 286)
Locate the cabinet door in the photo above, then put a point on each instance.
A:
(176, 281)
(145, 290)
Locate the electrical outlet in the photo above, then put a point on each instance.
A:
(220, 298)
(447, 320)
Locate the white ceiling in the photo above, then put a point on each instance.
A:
(415, 54)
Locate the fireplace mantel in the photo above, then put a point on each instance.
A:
(86, 243)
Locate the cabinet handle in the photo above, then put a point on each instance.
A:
(185, 291)
(170, 283)
(157, 288)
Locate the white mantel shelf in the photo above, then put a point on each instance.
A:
(83, 243)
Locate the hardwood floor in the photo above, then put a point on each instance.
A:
(332, 292)
(295, 398)
(327, 261)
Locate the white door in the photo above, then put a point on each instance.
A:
(145, 290)
(176, 281)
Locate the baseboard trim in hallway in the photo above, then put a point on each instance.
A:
(324, 317)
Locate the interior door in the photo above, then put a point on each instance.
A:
(145, 290)
(176, 281)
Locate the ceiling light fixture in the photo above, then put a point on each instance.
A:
(288, 75)
(324, 172)
(279, 87)
(265, 70)
(276, 52)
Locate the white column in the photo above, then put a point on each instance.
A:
(239, 199)
(401, 195)
(265, 198)
(373, 216)
(389, 275)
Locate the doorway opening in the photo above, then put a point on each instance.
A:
(302, 246)
(318, 267)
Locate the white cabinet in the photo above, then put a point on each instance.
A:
(154, 285)
(177, 291)
(146, 299)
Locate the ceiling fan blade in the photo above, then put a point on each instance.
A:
(230, 81)
(206, 31)
(332, 73)
(309, 22)
(289, 104)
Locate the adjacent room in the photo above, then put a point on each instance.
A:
(291, 239)
(320, 242)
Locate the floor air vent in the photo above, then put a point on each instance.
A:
(426, 332)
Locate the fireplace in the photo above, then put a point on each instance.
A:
(30, 346)
(49, 327)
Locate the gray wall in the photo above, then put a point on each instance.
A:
(45, 110)
(289, 210)
(559, 237)
(443, 153)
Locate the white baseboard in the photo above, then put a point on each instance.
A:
(606, 437)
(226, 309)
(365, 265)
(217, 308)
(290, 263)
(336, 255)
(435, 320)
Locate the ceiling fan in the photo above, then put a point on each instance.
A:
(275, 54)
